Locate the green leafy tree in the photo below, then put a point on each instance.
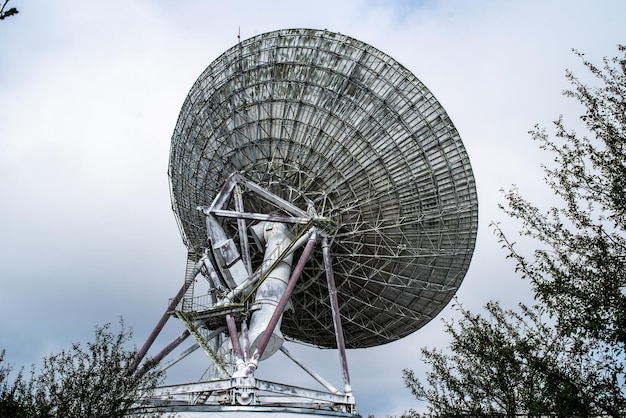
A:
(90, 380)
(566, 355)
(15, 396)
(506, 363)
(8, 12)
(580, 272)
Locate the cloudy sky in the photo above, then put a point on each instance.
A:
(89, 96)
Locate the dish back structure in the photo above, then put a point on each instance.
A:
(345, 133)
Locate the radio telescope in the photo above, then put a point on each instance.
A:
(325, 198)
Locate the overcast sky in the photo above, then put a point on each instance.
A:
(89, 96)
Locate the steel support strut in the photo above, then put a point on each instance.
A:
(310, 371)
(171, 346)
(282, 303)
(159, 326)
(234, 339)
(332, 291)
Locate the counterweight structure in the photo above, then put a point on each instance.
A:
(324, 197)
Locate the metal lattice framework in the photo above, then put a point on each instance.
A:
(336, 127)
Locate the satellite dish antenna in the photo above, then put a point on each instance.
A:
(324, 197)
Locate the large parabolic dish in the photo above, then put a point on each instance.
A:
(326, 121)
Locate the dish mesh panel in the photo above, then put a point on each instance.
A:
(316, 116)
